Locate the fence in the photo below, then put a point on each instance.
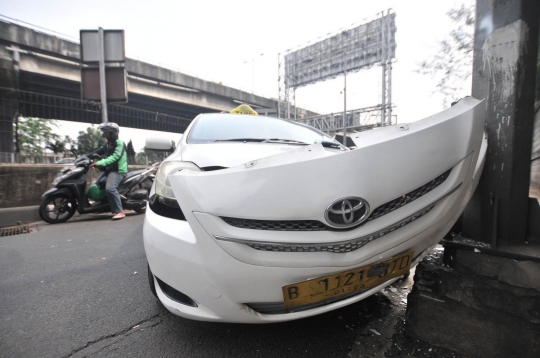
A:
(6, 157)
(15, 102)
(32, 104)
(140, 158)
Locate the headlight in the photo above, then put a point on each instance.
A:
(163, 187)
(66, 175)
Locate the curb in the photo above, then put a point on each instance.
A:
(25, 214)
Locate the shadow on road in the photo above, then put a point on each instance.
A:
(333, 334)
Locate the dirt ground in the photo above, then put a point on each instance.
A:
(385, 336)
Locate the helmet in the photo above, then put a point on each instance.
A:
(95, 193)
(110, 127)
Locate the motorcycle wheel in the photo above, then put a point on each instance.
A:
(140, 210)
(57, 209)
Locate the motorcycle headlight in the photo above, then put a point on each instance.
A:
(67, 174)
(163, 186)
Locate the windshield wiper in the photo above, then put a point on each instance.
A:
(240, 140)
(279, 140)
(325, 144)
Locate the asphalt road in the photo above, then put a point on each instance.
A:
(80, 289)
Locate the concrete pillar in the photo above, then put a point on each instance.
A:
(473, 302)
(8, 102)
(504, 74)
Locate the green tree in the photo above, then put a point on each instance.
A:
(140, 158)
(130, 152)
(89, 141)
(150, 156)
(33, 134)
(72, 143)
(57, 146)
(451, 66)
(154, 155)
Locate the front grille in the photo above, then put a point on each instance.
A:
(340, 247)
(277, 225)
(314, 225)
(337, 247)
(409, 197)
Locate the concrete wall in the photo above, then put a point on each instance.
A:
(23, 184)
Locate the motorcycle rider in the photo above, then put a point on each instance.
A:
(115, 165)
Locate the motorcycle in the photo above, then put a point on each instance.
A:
(70, 194)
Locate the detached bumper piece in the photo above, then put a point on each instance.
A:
(314, 225)
(337, 247)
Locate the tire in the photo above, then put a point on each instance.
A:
(151, 282)
(57, 208)
(140, 210)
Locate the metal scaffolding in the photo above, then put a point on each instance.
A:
(356, 120)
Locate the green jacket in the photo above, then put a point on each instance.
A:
(116, 160)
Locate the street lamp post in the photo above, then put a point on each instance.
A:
(253, 71)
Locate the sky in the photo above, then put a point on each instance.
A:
(237, 42)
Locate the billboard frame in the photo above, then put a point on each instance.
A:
(346, 51)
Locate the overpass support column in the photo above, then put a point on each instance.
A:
(504, 74)
(8, 103)
(482, 297)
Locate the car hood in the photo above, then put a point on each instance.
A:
(232, 154)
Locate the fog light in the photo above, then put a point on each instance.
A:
(175, 295)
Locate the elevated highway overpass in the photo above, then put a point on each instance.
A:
(40, 76)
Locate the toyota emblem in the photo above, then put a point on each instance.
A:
(347, 212)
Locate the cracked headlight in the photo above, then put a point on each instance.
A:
(163, 186)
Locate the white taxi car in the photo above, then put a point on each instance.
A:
(255, 219)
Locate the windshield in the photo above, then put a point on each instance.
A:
(223, 127)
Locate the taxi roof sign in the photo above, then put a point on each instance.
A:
(244, 109)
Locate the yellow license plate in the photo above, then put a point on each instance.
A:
(346, 282)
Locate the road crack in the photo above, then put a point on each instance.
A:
(129, 333)
(125, 332)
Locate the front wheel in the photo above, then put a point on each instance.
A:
(140, 210)
(57, 208)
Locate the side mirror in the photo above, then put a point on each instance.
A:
(160, 144)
